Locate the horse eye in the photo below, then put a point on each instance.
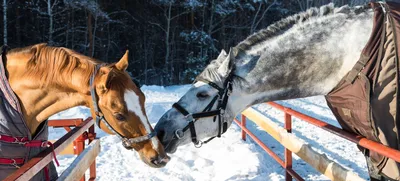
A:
(119, 117)
(202, 95)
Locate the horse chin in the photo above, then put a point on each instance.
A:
(172, 150)
(172, 146)
(159, 164)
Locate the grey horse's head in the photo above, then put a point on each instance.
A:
(196, 99)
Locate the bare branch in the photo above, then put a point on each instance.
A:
(124, 12)
(158, 25)
(262, 17)
(255, 17)
(179, 15)
(39, 11)
(55, 2)
(219, 22)
(60, 12)
(301, 5)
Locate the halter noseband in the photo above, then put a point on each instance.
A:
(126, 142)
(221, 98)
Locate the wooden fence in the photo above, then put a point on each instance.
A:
(320, 162)
(74, 141)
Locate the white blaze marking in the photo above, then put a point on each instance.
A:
(133, 104)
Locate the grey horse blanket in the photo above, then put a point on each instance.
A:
(14, 132)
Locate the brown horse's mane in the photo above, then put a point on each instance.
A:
(56, 64)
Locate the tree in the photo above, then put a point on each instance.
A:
(170, 41)
(256, 22)
(52, 10)
(50, 14)
(166, 5)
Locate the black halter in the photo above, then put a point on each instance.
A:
(222, 100)
(126, 142)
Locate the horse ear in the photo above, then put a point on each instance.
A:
(123, 63)
(227, 64)
(222, 55)
(104, 77)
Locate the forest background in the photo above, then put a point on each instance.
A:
(170, 41)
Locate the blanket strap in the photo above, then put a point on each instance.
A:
(358, 67)
(24, 141)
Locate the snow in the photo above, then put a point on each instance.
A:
(193, 4)
(227, 158)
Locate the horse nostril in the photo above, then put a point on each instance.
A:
(154, 161)
(160, 161)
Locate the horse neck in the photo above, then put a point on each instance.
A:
(302, 62)
(39, 102)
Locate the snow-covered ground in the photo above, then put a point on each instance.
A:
(227, 158)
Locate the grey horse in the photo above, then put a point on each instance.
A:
(303, 55)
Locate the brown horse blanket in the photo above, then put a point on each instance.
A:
(365, 102)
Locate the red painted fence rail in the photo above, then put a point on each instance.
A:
(287, 163)
(84, 130)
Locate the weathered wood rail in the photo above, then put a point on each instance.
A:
(320, 162)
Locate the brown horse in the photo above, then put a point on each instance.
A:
(48, 80)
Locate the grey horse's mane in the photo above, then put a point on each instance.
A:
(281, 26)
(276, 29)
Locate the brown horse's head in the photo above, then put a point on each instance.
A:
(122, 104)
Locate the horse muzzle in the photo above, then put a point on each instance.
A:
(159, 162)
(169, 141)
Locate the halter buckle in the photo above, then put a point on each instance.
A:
(125, 143)
(17, 141)
(44, 144)
(99, 114)
(15, 163)
(179, 133)
(189, 116)
(198, 144)
(220, 97)
(221, 111)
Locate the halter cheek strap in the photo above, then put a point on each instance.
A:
(222, 100)
(126, 142)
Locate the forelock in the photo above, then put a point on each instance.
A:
(211, 74)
